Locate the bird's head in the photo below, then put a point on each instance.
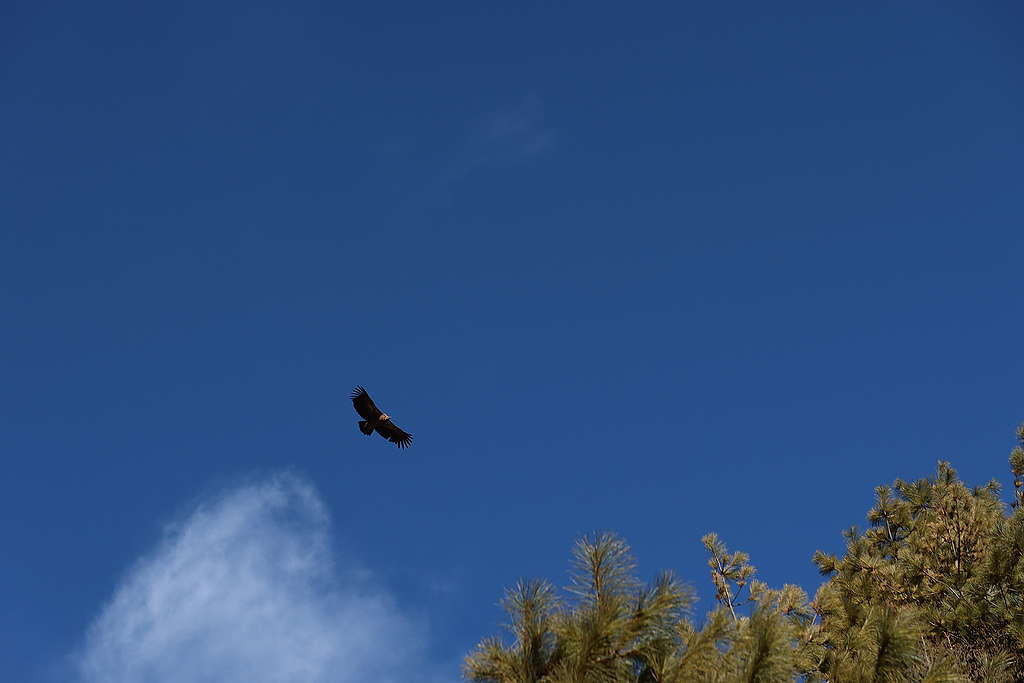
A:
(385, 416)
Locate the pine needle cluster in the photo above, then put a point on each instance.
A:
(610, 628)
(939, 576)
(931, 592)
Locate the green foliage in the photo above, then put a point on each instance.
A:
(612, 629)
(942, 565)
(1017, 467)
(931, 592)
(730, 572)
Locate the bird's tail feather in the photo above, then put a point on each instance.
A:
(365, 427)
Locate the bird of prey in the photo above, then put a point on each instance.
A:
(374, 419)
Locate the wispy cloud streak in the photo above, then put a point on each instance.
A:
(510, 134)
(502, 138)
(245, 589)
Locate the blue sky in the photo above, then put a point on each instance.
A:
(659, 270)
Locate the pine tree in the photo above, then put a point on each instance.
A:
(939, 576)
(613, 630)
(931, 592)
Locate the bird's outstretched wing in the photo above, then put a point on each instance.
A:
(364, 405)
(395, 434)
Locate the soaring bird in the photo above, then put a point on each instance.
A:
(375, 419)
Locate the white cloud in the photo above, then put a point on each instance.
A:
(244, 589)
